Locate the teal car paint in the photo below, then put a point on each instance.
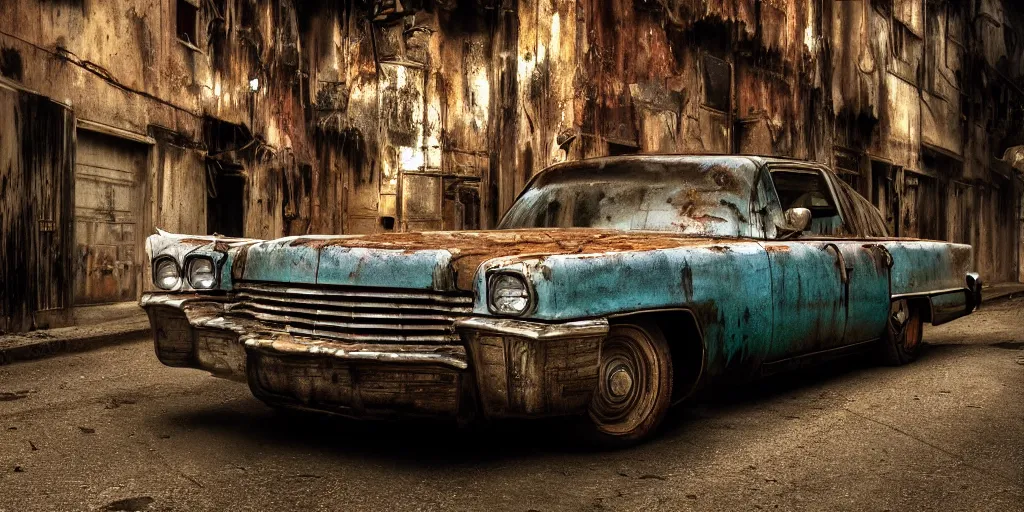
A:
(751, 263)
(588, 286)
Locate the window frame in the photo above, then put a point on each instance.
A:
(824, 172)
(762, 225)
(856, 199)
(195, 20)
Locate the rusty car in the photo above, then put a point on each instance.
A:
(611, 289)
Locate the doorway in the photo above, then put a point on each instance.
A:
(108, 171)
(225, 199)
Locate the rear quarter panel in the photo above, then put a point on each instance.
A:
(925, 266)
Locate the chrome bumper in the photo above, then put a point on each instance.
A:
(517, 368)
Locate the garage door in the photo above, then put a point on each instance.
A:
(107, 208)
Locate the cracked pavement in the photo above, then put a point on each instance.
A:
(113, 429)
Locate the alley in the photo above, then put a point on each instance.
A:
(112, 429)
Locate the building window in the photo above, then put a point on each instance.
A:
(188, 17)
(717, 83)
(617, 149)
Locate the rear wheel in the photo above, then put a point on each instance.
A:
(635, 385)
(904, 330)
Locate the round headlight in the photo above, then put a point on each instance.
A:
(202, 273)
(509, 295)
(166, 275)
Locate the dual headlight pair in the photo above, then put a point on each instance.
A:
(508, 294)
(200, 271)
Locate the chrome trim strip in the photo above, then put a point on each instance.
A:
(349, 292)
(535, 330)
(929, 293)
(176, 300)
(341, 303)
(451, 356)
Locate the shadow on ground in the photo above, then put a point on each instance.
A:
(424, 442)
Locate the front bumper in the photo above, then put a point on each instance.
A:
(503, 367)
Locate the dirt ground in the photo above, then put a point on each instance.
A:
(112, 429)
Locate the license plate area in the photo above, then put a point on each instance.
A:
(360, 388)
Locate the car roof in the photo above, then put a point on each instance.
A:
(757, 160)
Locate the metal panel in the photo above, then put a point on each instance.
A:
(808, 298)
(107, 209)
(421, 202)
(867, 290)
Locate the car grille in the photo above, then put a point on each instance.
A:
(362, 315)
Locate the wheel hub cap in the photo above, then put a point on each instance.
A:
(620, 382)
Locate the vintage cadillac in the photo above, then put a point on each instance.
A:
(613, 288)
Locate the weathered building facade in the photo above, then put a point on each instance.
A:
(268, 118)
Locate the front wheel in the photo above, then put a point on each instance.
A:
(904, 331)
(635, 385)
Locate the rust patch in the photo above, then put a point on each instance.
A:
(471, 248)
(238, 265)
(312, 243)
(686, 280)
(960, 259)
(777, 248)
(195, 242)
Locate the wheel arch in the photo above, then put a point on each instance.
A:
(922, 303)
(686, 343)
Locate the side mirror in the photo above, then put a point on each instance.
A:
(797, 219)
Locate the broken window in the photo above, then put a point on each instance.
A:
(906, 52)
(187, 22)
(882, 192)
(954, 45)
(717, 83)
(847, 167)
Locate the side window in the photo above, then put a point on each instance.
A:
(808, 188)
(861, 216)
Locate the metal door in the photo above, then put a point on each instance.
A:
(808, 296)
(107, 210)
(866, 290)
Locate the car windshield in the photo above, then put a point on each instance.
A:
(705, 196)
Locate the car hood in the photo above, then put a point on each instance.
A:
(440, 260)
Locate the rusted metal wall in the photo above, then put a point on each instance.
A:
(360, 116)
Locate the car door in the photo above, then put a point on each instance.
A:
(808, 291)
(868, 264)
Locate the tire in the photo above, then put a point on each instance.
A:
(903, 332)
(634, 385)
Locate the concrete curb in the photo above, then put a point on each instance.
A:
(1002, 292)
(41, 344)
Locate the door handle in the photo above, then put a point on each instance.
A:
(844, 271)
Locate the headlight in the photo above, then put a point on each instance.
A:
(166, 275)
(509, 295)
(202, 273)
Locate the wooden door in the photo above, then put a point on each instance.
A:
(108, 171)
